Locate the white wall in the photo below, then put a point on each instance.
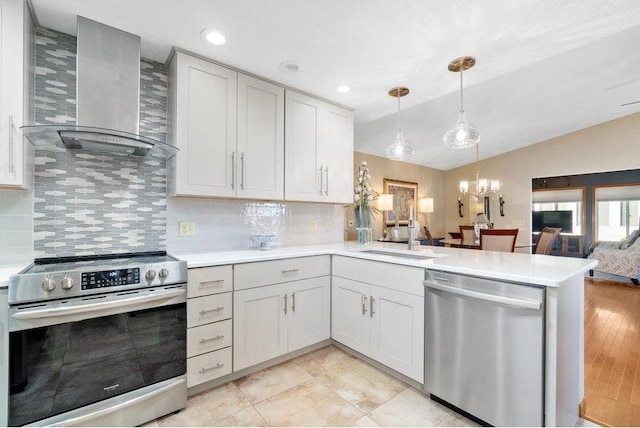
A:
(611, 146)
(16, 226)
(223, 225)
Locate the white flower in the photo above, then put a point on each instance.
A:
(356, 197)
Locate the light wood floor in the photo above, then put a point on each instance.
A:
(612, 352)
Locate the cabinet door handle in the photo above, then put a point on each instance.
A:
(211, 339)
(326, 189)
(233, 169)
(371, 307)
(320, 193)
(11, 142)
(363, 302)
(214, 281)
(284, 271)
(242, 171)
(293, 301)
(206, 311)
(285, 304)
(207, 369)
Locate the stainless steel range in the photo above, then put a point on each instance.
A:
(98, 340)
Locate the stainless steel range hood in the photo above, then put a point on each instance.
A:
(108, 97)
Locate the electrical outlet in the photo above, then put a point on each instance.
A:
(327, 225)
(187, 228)
(314, 225)
(518, 222)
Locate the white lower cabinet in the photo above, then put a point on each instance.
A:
(375, 318)
(272, 320)
(209, 324)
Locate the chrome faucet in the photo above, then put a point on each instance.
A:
(413, 243)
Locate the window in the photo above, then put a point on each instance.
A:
(561, 200)
(617, 211)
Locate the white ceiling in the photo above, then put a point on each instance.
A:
(544, 67)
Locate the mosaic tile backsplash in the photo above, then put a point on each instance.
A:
(89, 202)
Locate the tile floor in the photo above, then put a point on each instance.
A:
(327, 387)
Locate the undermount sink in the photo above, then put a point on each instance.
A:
(401, 255)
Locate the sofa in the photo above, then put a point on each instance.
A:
(618, 258)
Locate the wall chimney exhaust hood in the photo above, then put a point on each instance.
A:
(108, 98)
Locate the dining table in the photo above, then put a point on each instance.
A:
(460, 243)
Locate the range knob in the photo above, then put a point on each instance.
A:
(67, 282)
(48, 284)
(164, 272)
(150, 275)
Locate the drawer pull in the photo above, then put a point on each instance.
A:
(363, 301)
(285, 304)
(208, 369)
(289, 271)
(371, 299)
(439, 278)
(214, 282)
(206, 311)
(211, 339)
(293, 301)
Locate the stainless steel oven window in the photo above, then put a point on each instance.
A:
(57, 368)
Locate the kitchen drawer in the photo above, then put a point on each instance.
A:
(395, 277)
(208, 309)
(208, 366)
(209, 280)
(209, 337)
(250, 275)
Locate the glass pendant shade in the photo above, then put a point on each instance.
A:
(400, 150)
(462, 135)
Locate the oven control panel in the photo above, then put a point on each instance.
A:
(110, 278)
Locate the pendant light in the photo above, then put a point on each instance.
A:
(400, 150)
(462, 135)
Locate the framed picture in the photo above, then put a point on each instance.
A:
(405, 195)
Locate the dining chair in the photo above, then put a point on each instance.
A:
(546, 239)
(427, 233)
(467, 234)
(498, 239)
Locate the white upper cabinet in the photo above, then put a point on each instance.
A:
(202, 114)
(229, 128)
(318, 150)
(16, 93)
(260, 161)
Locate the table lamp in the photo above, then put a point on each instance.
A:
(425, 206)
(385, 203)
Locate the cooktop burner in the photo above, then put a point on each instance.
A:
(55, 264)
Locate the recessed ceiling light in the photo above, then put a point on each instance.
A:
(289, 67)
(343, 88)
(214, 37)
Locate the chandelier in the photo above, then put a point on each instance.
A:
(462, 135)
(399, 150)
(482, 186)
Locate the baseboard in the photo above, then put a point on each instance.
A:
(595, 421)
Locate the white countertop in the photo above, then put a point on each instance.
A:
(550, 271)
(6, 270)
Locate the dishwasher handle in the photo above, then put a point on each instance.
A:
(510, 301)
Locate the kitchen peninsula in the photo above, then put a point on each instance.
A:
(286, 281)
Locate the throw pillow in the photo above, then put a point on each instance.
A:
(629, 240)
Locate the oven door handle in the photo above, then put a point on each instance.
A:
(89, 307)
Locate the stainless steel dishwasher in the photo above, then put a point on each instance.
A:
(484, 348)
